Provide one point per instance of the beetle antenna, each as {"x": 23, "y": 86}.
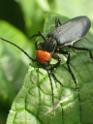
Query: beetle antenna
{"x": 34, "y": 35}
{"x": 42, "y": 36}
{"x": 18, "y": 48}
{"x": 39, "y": 34}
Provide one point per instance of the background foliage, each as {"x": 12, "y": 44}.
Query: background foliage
{"x": 20, "y": 19}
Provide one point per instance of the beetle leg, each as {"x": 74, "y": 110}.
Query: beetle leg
{"x": 69, "y": 67}
{"x": 51, "y": 75}
{"x": 55, "y": 78}
{"x": 55, "y": 56}
{"x": 53, "y": 66}
{"x": 57, "y": 22}
{"x": 83, "y": 49}
{"x": 70, "y": 70}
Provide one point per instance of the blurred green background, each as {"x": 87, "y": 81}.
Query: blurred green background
{"x": 20, "y": 19}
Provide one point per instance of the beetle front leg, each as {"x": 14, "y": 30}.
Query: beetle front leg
{"x": 55, "y": 56}
{"x": 51, "y": 68}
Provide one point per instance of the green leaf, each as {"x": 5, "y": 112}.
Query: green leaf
{"x": 33, "y": 104}
{"x": 72, "y": 8}
{"x": 34, "y": 101}
{"x": 12, "y": 64}
{"x": 33, "y": 14}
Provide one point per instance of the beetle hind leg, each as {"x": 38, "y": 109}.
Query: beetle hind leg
{"x": 70, "y": 70}
{"x": 83, "y": 49}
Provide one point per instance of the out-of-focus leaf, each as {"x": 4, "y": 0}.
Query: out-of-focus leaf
{"x": 33, "y": 14}
{"x": 33, "y": 104}
{"x": 12, "y": 61}
{"x": 72, "y": 8}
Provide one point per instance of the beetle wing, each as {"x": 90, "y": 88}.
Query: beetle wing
{"x": 73, "y": 30}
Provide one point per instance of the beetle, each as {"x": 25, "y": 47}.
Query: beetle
{"x": 63, "y": 36}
